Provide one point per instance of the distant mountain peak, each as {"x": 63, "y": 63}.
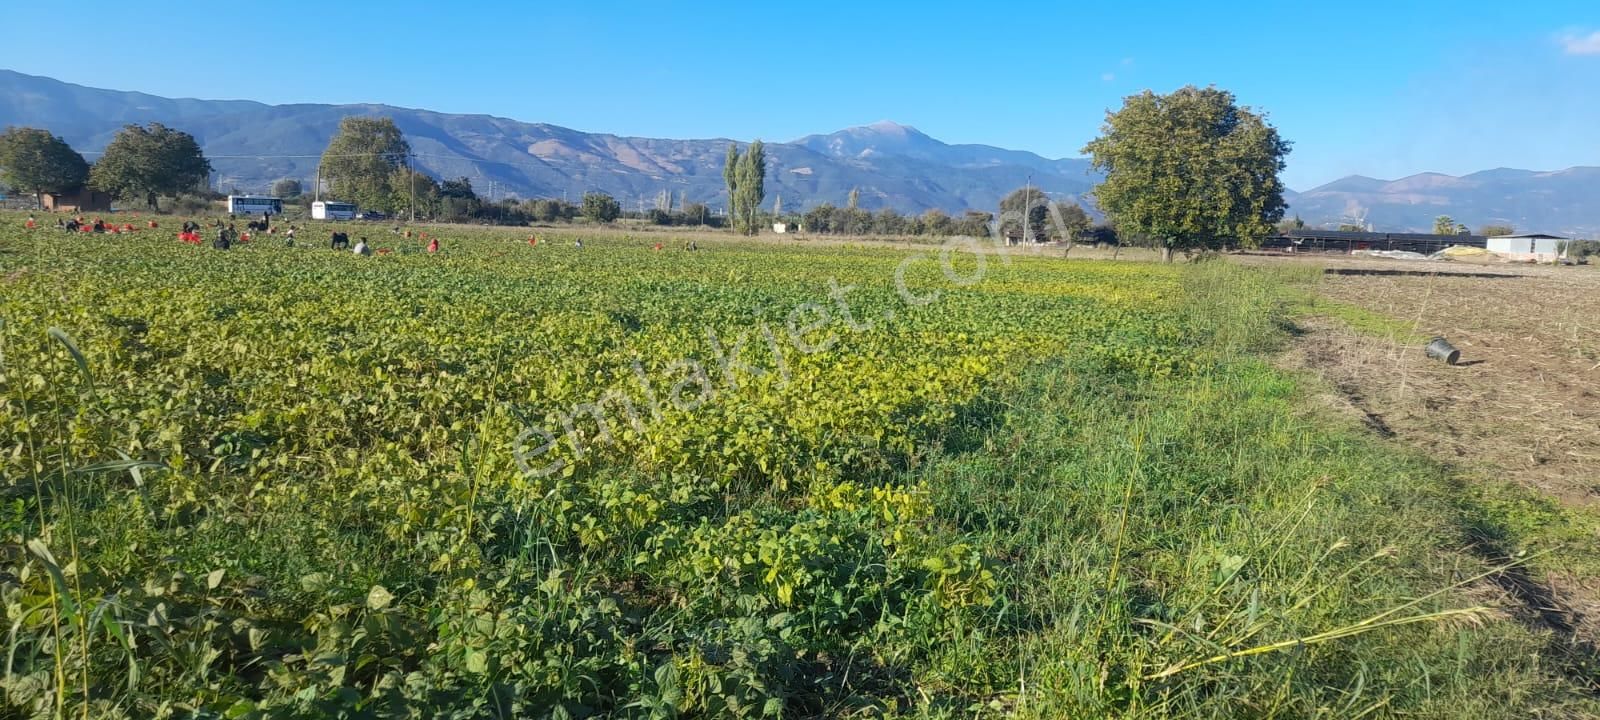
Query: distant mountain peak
{"x": 892, "y": 127}
{"x": 252, "y": 145}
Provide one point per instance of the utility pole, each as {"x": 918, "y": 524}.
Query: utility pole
{"x": 1027, "y": 205}
{"x": 411, "y": 178}
{"x": 318, "y": 191}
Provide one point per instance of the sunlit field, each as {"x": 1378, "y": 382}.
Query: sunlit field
{"x": 627, "y": 478}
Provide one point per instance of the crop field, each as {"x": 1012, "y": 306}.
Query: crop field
{"x": 747, "y": 480}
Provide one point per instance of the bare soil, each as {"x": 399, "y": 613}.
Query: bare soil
{"x": 1522, "y": 406}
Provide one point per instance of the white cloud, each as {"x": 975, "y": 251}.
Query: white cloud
{"x": 1580, "y": 44}
{"x": 1108, "y": 77}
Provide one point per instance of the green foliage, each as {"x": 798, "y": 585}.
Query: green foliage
{"x": 600, "y": 208}
{"x": 1192, "y": 170}
{"x": 1040, "y": 494}
{"x": 33, "y": 160}
{"x": 745, "y": 175}
{"x": 363, "y": 162}
{"x": 408, "y": 187}
{"x": 1496, "y": 230}
{"x": 459, "y": 188}
{"x": 1068, "y": 221}
{"x": 1444, "y": 225}
{"x": 144, "y": 163}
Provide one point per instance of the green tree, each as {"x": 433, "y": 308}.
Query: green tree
{"x": 600, "y": 207}
{"x": 1069, "y": 222}
{"x": 746, "y": 176}
{"x": 34, "y": 160}
{"x": 459, "y": 188}
{"x": 287, "y": 188}
{"x": 820, "y": 219}
{"x": 422, "y": 190}
{"x": 854, "y": 201}
{"x": 1024, "y": 200}
{"x": 362, "y": 159}
{"x": 1444, "y": 225}
{"x": 937, "y": 223}
{"x": 1496, "y": 230}
{"x": 730, "y": 170}
{"x": 974, "y": 223}
{"x": 1190, "y": 170}
{"x": 143, "y": 163}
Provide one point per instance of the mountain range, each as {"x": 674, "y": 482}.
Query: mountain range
{"x": 253, "y": 144}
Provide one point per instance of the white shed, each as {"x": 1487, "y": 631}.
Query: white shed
{"x": 1527, "y": 246}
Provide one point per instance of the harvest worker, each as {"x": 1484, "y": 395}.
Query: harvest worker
{"x": 31, "y": 223}
{"x": 361, "y": 248}
{"x": 433, "y": 245}
{"x": 223, "y": 241}
{"x": 340, "y": 241}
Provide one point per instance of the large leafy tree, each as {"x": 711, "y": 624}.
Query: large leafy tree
{"x": 363, "y": 163}
{"x": 33, "y": 160}
{"x": 1025, "y": 201}
{"x": 459, "y": 188}
{"x": 746, "y": 176}
{"x": 421, "y": 190}
{"x": 1190, "y": 170}
{"x": 600, "y": 207}
{"x": 1069, "y": 222}
{"x": 146, "y": 162}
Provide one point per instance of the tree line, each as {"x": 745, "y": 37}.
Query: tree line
{"x": 1189, "y": 170}
{"x": 141, "y": 164}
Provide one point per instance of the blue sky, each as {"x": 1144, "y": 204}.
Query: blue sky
{"x": 1376, "y": 88}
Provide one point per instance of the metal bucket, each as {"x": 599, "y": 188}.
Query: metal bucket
{"x": 1441, "y": 349}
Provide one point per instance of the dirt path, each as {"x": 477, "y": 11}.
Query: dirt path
{"x": 1522, "y": 407}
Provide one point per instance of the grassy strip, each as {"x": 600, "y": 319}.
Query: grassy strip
{"x": 1207, "y": 546}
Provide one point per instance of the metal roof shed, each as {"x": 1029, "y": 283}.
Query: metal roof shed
{"x": 1527, "y": 246}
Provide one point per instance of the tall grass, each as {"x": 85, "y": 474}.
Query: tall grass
{"x": 1268, "y": 560}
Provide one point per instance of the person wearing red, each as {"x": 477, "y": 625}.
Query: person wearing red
{"x": 433, "y": 245}
{"x": 31, "y": 223}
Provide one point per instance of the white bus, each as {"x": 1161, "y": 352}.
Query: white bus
{"x": 254, "y": 205}
{"x": 333, "y": 210}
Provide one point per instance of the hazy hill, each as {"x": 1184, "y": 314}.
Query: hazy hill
{"x": 252, "y": 144}
{"x": 1562, "y": 202}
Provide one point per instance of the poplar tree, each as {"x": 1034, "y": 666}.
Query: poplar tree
{"x": 745, "y": 175}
